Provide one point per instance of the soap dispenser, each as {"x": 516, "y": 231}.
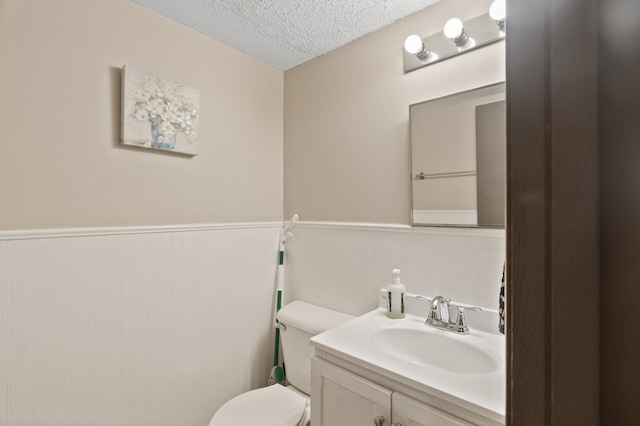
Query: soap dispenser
{"x": 395, "y": 296}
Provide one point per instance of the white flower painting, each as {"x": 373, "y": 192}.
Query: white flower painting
{"x": 158, "y": 113}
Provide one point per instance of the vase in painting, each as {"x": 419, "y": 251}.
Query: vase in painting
{"x": 161, "y": 139}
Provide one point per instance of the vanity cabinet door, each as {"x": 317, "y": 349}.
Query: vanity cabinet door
{"x": 340, "y": 398}
{"x": 409, "y": 412}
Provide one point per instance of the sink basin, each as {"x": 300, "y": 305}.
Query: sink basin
{"x": 433, "y": 348}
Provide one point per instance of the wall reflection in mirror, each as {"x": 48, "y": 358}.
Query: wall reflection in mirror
{"x": 458, "y": 148}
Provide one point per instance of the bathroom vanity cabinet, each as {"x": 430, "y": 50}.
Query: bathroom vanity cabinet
{"x": 341, "y": 398}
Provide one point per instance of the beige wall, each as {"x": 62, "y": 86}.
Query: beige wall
{"x": 61, "y": 163}
{"x": 346, "y": 133}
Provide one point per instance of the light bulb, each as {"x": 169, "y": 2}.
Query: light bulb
{"x": 453, "y": 29}
{"x": 498, "y": 10}
{"x": 413, "y": 44}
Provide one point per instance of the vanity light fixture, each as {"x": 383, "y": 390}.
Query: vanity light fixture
{"x": 454, "y": 30}
{"x": 456, "y": 38}
{"x": 498, "y": 12}
{"x": 414, "y": 45}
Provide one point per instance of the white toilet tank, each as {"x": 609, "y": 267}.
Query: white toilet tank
{"x": 303, "y": 321}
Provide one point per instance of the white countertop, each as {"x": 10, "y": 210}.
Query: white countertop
{"x": 483, "y": 393}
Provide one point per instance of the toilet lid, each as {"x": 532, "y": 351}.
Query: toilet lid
{"x": 271, "y": 406}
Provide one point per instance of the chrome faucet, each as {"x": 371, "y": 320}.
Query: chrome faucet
{"x": 438, "y": 316}
{"x": 439, "y": 311}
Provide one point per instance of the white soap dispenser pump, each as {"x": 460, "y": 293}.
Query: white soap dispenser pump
{"x": 395, "y": 296}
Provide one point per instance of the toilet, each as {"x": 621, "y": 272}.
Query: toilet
{"x": 277, "y": 405}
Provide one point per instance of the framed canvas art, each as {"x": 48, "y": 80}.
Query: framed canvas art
{"x": 158, "y": 113}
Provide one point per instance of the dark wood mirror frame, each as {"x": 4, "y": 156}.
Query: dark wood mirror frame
{"x": 573, "y": 218}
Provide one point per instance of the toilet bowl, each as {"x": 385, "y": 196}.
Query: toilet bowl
{"x": 278, "y": 405}
{"x": 271, "y": 406}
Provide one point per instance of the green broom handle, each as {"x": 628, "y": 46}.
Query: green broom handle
{"x": 278, "y": 305}
{"x": 275, "y": 350}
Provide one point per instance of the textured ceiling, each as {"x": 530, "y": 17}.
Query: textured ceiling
{"x": 285, "y": 33}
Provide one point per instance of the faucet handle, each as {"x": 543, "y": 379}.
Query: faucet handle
{"x": 461, "y": 322}
{"x": 467, "y": 308}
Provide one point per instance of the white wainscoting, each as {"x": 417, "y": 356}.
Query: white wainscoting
{"x": 342, "y": 266}
{"x": 161, "y": 326}
{"x": 134, "y": 326}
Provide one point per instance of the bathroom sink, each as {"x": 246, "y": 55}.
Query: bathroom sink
{"x": 466, "y": 370}
{"x": 436, "y": 349}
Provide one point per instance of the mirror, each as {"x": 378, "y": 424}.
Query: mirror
{"x": 458, "y": 152}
